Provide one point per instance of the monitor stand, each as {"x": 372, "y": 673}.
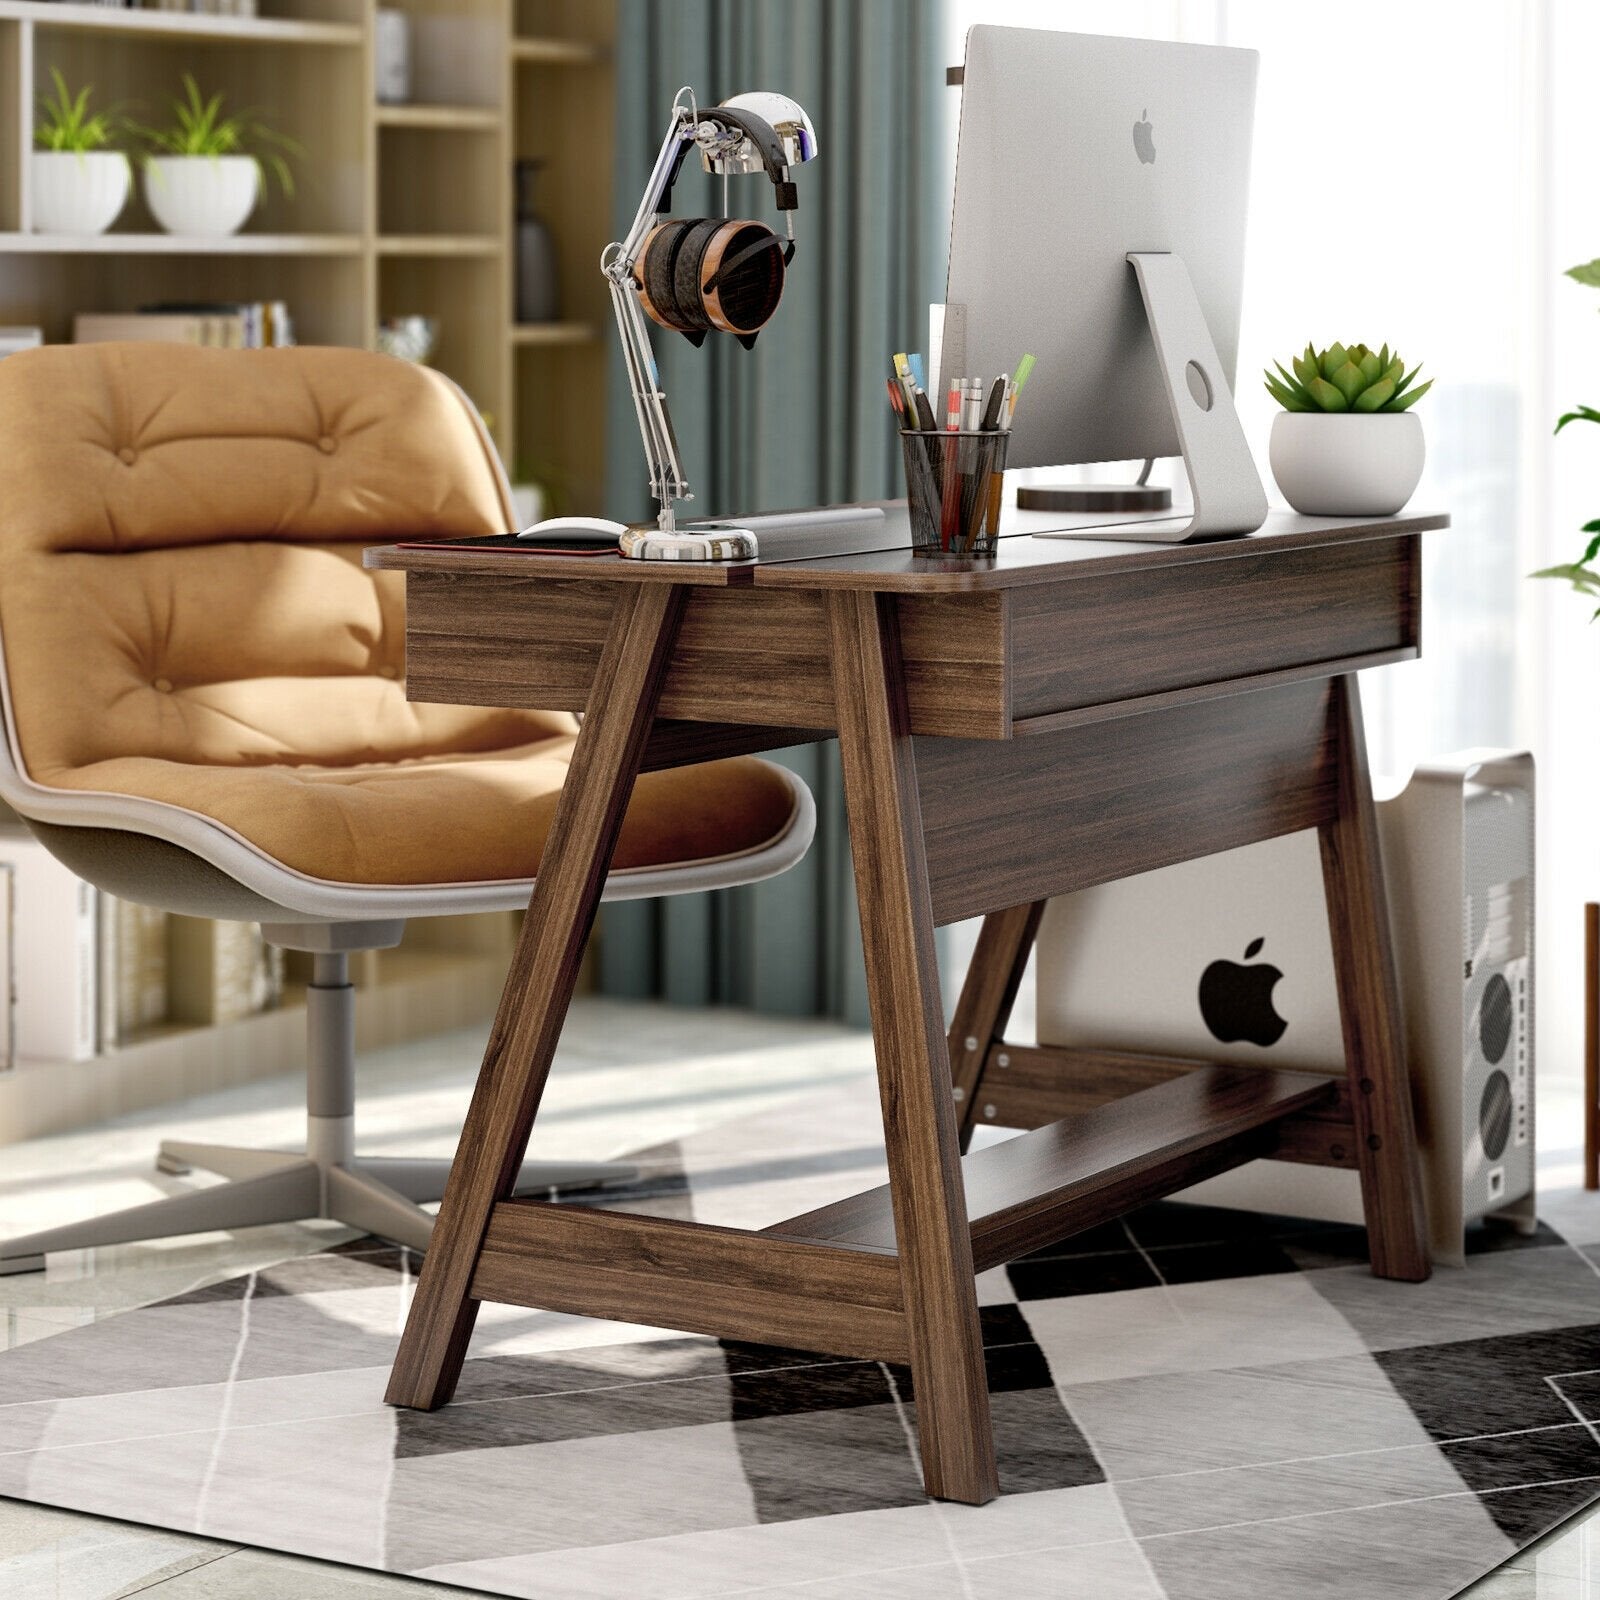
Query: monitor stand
{"x": 1228, "y": 497}
{"x": 1098, "y": 499}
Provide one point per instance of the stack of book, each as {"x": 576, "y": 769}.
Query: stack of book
{"x": 229, "y": 324}
{"x": 209, "y": 8}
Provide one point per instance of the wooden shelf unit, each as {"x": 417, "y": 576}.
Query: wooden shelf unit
{"x": 400, "y": 209}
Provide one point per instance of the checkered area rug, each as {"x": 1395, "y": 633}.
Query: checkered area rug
{"x": 1192, "y": 1403}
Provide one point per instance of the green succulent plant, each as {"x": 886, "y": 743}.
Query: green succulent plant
{"x": 67, "y": 124}
{"x": 1346, "y": 378}
{"x": 198, "y": 128}
{"x": 1582, "y": 574}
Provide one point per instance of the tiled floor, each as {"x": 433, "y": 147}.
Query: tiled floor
{"x": 1176, "y": 1432}
{"x": 607, "y": 1096}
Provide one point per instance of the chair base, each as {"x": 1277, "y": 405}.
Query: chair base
{"x": 381, "y": 1195}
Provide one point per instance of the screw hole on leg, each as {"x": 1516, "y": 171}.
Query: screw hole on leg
{"x": 1374, "y": 1142}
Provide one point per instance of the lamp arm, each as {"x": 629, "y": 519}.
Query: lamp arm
{"x": 644, "y": 379}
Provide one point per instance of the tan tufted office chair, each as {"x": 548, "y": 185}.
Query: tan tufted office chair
{"x": 205, "y": 710}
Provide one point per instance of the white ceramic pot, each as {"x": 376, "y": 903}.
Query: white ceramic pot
{"x": 1346, "y": 464}
{"x": 210, "y": 195}
{"x": 78, "y": 191}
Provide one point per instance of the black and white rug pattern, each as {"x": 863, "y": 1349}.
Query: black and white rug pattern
{"x": 1193, "y": 1404}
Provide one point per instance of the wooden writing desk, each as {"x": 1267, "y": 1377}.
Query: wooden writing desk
{"x": 1068, "y": 714}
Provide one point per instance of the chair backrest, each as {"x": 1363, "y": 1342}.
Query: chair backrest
{"x": 180, "y": 551}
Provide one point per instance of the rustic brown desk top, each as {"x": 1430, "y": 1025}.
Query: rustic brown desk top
{"x": 1022, "y": 560}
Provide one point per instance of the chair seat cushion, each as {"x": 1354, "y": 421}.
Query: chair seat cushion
{"x": 453, "y": 818}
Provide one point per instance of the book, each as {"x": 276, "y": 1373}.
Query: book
{"x": 132, "y": 970}
{"x": 54, "y": 952}
{"x": 15, "y": 339}
{"x": 224, "y": 324}
{"x": 220, "y": 971}
{"x": 175, "y": 328}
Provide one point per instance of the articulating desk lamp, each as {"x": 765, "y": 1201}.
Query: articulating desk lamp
{"x": 695, "y": 276}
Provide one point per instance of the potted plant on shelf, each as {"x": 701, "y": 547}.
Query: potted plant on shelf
{"x": 204, "y": 172}
{"x": 1581, "y": 574}
{"x": 1345, "y": 443}
{"x": 79, "y": 185}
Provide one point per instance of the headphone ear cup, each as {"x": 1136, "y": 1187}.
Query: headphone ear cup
{"x": 702, "y": 274}
{"x": 653, "y": 271}
{"x": 743, "y": 282}
{"x": 688, "y": 304}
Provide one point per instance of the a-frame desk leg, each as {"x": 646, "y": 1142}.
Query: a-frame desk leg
{"x": 999, "y": 960}
{"x": 930, "y": 1213}
{"x": 538, "y": 990}
{"x": 1369, "y": 1005}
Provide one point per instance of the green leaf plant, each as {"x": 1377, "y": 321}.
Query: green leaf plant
{"x": 1346, "y": 378}
{"x": 1582, "y": 573}
{"x": 198, "y": 128}
{"x": 67, "y": 124}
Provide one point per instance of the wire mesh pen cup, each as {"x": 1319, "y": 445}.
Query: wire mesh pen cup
{"x": 953, "y": 487}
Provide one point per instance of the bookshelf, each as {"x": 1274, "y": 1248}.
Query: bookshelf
{"x": 400, "y": 210}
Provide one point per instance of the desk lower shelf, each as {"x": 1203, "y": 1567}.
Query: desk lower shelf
{"x": 829, "y": 1280}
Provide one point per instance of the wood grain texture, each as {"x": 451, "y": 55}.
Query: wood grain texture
{"x": 1591, "y": 1046}
{"x": 1074, "y": 1174}
{"x": 1369, "y": 1006}
{"x": 1005, "y": 941}
{"x": 704, "y": 1279}
{"x": 1026, "y": 1086}
{"x": 880, "y": 780}
{"x": 758, "y": 659}
{"x": 544, "y": 968}
{"x": 1167, "y": 699}
{"x": 1011, "y": 822}
{"x": 1021, "y": 562}
{"x": 682, "y": 744}
{"x": 1183, "y": 628}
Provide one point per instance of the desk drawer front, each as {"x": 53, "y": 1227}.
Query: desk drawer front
{"x": 1176, "y": 629}
{"x": 744, "y": 655}
{"x": 1130, "y": 794}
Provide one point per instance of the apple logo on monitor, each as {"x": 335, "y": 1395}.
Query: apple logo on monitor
{"x": 1144, "y": 138}
{"x": 1236, "y": 1000}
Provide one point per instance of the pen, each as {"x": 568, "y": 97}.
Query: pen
{"x": 997, "y": 397}
{"x": 1024, "y": 368}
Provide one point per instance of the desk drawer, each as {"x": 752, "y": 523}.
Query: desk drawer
{"x": 1092, "y": 648}
{"x": 751, "y": 656}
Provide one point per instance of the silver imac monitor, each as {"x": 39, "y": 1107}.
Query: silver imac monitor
{"x": 1074, "y": 151}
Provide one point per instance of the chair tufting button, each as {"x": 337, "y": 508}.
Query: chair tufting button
{"x": 164, "y": 685}
{"x": 327, "y": 444}
{"x": 127, "y": 456}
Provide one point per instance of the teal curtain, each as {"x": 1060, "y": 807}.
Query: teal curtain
{"x": 803, "y": 418}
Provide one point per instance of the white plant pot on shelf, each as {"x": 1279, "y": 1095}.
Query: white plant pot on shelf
{"x": 1346, "y": 464}
{"x": 207, "y": 195}
{"x": 78, "y": 191}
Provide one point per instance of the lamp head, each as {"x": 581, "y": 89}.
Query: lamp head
{"x": 786, "y": 118}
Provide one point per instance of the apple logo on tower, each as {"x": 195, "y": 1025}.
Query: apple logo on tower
{"x": 1144, "y": 138}
{"x": 1236, "y": 1001}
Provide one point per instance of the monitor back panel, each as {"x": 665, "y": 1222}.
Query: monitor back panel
{"x": 1075, "y": 149}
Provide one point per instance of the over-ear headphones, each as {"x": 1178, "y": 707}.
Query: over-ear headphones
{"x": 699, "y": 275}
